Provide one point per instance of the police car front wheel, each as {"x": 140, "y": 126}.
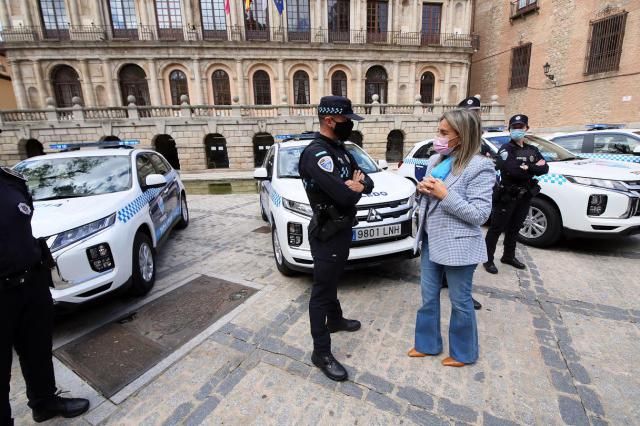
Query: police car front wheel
{"x": 143, "y": 275}
{"x": 281, "y": 262}
{"x": 184, "y": 213}
{"x": 543, "y": 225}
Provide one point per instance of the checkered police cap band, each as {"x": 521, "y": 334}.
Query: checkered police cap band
{"x": 332, "y": 110}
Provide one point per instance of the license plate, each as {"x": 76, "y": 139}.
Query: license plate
{"x": 376, "y": 232}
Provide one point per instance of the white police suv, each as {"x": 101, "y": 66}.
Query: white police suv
{"x": 611, "y": 143}
{"x": 104, "y": 212}
{"x": 579, "y": 196}
{"x": 385, "y": 228}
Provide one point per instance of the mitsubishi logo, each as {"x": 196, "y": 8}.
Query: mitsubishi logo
{"x": 373, "y": 216}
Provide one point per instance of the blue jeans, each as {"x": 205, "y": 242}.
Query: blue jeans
{"x": 463, "y": 330}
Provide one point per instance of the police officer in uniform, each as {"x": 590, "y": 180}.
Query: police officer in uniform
{"x": 518, "y": 163}
{"x": 334, "y": 184}
{"x": 26, "y": 308}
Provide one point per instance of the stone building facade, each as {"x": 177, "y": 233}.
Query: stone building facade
{"x": 590, "y": 46}
{"x": 7, "y": 97}
{"x": 103, "y": 51}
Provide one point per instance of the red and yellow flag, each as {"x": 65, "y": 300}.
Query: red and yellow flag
{"x": 247, "y": 5}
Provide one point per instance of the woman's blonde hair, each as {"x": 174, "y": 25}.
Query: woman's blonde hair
{"x": 467, "y": 124}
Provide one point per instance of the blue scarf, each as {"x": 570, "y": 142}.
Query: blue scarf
{"x": 442, "y": 170}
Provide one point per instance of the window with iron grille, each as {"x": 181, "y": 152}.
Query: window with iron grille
{"x": 377, "y": 13}
{"x": 133, "y": 81}
{"x": 431, "y": 17}
{"x": 66, "y": 85}
{"x": 521, "y": 8}
{"x": 520, "y": 58}
{"x": 178, "y": 85}
{"x": 221, "y": 88}
{"x": 168, "y": 14}
{"x": 298, "y": 20}
{"x": 261, "y": 88}
{"x": 339, "y": 84}
{"x": 338, "y": 20}
{"x": 54, "y": 18}
{"x": 123, "y": 15}
{"x": 214, "y": 18}
{"x": 605, "y": 43}
{"x": 427, "y": 83}
{"x": 301, "y": 88}
{"x": 256, "y": 20}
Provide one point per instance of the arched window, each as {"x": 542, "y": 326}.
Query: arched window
{"x": 221, "y": 88}
{"x": 178, "y": 86}
{"x": 395, "y": 146}
{"x": 339, "y": 84}
{"x": 376, "y": 84}
{"x": 427, "y": 82}
{"x": 261, "y": 88}
{"x": 34, "y": 148}
{"x": 54, "y": 19}
{"x": 66, "y": 85}
{"x": 124, "y": 23}
{"x": 133, "y": 81}
{"x": 261, "y": 144}
{"x": 214, "y": 19}
{"x": 301, "y": 94}
{"x": 166, "y": 145}
{"x": 216, "y": 151}
{"x": 169, "y": 17}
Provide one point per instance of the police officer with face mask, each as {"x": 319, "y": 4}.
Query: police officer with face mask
{"x": 26, "y": 308}
{"x": 518, "y": 163}
{"x": 334, "y": 184}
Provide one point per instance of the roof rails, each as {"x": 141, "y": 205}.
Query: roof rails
{"x": 66, "y": 147}
{"x": 603, "y": 126}
{"x": 296, "y": 137}
{"x": 494, "y": 129}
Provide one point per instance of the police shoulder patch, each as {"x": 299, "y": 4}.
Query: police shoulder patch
{"x": 326, "y": 163}
{"x": 504, "y": 154}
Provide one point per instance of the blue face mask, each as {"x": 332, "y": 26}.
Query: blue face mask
{"x": 517, "y": 134}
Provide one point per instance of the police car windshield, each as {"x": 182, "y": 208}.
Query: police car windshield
{"x": 289, "y": 157}
{"x": 72, "y": 177}
{"x": 549, "y": 150}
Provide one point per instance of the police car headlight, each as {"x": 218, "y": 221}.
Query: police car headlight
{"x": 598, "y": 183}
{"x": 296, "y": 207}
{"x": 71, "y": 236}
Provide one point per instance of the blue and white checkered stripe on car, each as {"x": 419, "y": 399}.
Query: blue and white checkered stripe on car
{"x": 275, "y": 197}
{"x": 420, "y": 161}
{"x": 616, "y": 157}
{"x": 552, "y": 178}
{"x": 131, "y": 209}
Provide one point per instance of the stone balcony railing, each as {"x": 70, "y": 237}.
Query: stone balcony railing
{"x": 78, "y": 113}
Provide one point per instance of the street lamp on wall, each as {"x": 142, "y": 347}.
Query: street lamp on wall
{"x": 547, "y": 68}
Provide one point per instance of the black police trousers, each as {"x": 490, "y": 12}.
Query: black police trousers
{"x": 329, "y": 259}
{"x": 26, "y": 324}
{"x": 508, "y": 217}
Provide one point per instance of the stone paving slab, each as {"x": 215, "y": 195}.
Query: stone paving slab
{"x": 557, "y": 346}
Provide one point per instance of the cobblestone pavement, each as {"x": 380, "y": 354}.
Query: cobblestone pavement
{"x": 560, "y": 342}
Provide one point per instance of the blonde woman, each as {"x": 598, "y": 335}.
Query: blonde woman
{"x": 454, "y": 201}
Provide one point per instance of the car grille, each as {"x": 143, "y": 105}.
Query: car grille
{"x": 393, "y": 209}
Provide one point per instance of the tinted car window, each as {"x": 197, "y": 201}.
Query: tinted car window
{"x": 424, "y": 151}
{"x": 160, "y": 166}
{"x": 572, "y": 143}
{"x": 144, "y": 167}
{"x": 614, "y": 144}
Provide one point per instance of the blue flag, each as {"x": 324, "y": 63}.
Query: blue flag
{"x": 279, "y": 5}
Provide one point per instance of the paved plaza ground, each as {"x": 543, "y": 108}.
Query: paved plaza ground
{"x": 559, "y": 342}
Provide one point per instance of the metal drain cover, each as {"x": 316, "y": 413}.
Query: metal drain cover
{"x": 116, "y": 354}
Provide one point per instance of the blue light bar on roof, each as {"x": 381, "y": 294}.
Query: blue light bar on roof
{"x": 283, "y": 137}
{"x": 603, "y": 126}
{"x": 78, "y": 145}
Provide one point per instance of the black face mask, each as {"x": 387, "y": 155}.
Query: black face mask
{"x": 343, "y": 130}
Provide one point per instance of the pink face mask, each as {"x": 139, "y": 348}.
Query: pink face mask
{"x": 441, "y": 145}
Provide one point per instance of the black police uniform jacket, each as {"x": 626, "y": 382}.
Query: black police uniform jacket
{"x": 324, "y": 167}
{"x": 511, "y": 156}
{"x": 19, "y": 250}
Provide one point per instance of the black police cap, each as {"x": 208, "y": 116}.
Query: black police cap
{"x": 337, "y": 105}
{"x": 470, "y": 103}
{"x": 519, "y": 119}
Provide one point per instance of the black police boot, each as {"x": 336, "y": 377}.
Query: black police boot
{"x": 59, "y": 406}
{"x": 513, "y": 262}
{"x": 329, "y": 366}
{"x": 490, "y": 267}
{"x": 344, "y": 325}
{"x": 476, "y": 305}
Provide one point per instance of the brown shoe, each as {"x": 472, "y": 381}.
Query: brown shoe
{"x": 450, "y": 362}
{"x": 413, "y": 353}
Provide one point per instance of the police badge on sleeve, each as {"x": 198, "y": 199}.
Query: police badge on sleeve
{"x": 326, "y": 163}
{"x": 24, "y": 209}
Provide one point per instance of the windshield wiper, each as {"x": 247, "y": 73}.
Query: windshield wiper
{"x": 571, "y": 158}
{"x": 61, "y": 197}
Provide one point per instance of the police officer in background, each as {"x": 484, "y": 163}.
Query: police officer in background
{"x": 518, "y": 163}
{"x": 334, "y": 184}
{"x": 26, "y": 308}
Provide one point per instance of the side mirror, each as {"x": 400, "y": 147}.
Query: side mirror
{"x": 383, "y": 164}
{"x": 260, "y": 174}
{"x": 636, "y": 150}
{"x": 154, "y": 181}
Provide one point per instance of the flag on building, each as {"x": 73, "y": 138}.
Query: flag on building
{"x": 279, "y": 5}
{"x": 227, "y": 7}
{"x": 247, "y": 5}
